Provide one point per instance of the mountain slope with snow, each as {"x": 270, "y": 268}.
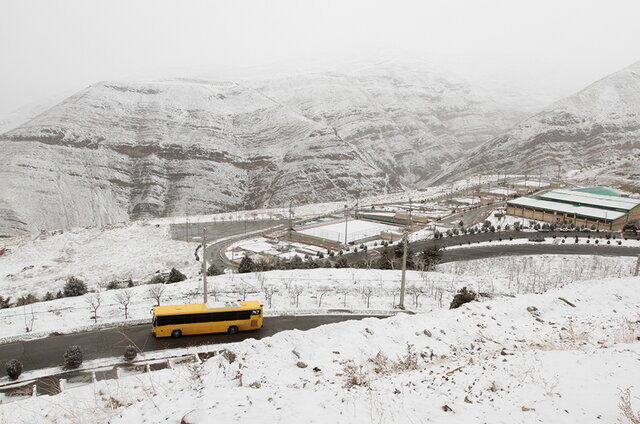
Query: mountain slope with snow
{"x": 120, "y": 151}
{"x": 594, "y": 133}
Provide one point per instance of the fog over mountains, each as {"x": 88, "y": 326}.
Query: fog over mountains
{"x": 118, "y": 150}
{"x": 593, "y": 134}
{"x": 125, "y": 150}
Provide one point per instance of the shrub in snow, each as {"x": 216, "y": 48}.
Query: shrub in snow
{"x": 341, "y": 263}
{"x": 48, "y": 296}
{"x": 114, "y": 284}
{"x": 5, "y": 302}
{"x": 213, "y": 270}
{"x": 14, "y": 368}
{"x": 73, "y": 357}
{"x": 130, "y": 353}
{"x": 176, "y": 276}
{"x": 463, "y": 296}
{"x": 74, "y": 287}
{"x": 27, "y": 300}
{"x": 246, "y": 265}
{"x": 355, "y": 375}
{"x": 156, "y": 279}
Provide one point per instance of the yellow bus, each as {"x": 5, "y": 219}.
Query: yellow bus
{"x": 202, "y": 318}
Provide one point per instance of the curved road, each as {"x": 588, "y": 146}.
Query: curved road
{"x": 48, "y": 352}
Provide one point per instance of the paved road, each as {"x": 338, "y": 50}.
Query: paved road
{"x": 48, "y": 352}
{"x": 219, "y": 229}
{"x": 465, "y": 254}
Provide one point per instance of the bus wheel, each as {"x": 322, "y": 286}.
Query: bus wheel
{"x": 176, "y": 333}
{"x": 232, "y": 330}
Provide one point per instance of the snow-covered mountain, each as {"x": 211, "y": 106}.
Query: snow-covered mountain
{"x": 119, "y": 151}
{"x": 592, "y": 135}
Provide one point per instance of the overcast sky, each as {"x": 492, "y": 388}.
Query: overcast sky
{"x": 49, "y": 47}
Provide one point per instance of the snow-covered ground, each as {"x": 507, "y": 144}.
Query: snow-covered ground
{"x": 40, "y": 263}
{"x": 356, "y": 229}
{"x": 532, "y": 358}
{"x": 319, "y": 290}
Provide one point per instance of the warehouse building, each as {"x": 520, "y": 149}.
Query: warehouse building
{"x": 594, "y": 206}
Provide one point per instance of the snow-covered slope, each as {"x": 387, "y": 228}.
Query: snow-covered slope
{"x": 532, "y": 358}
{"x": 594, "y": 133}
{"x": 117, "y": 151}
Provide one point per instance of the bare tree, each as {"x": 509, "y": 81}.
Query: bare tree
{"x": 261, "y": 279}
{"x": 344, "y": 291}
{"x": 322, "y": 291}
{"x": 394, "y": 292}
{"x": 94, "y": 302}
{"x": 156, "y": 291}
{"x": 416, "y": 291}
{"x": 213, "y": 290}
{"x": 123, "y": 297}
{"x": 28, "y": 320}
{"x": 269, "y": 290}
{"x": 367, "y": 292}
{"x": 368, "y": 259}
{"x": 296, "y": 291}
{"x": 244, "y": 288}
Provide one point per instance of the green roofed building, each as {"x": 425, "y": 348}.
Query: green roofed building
{"x": 602, "y": 207}
{"x": 600, "y": 190}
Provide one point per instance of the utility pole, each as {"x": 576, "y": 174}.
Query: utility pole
{"x": 405, "y": 241}
{"x": 404, "y": 270}
{"x": 346, "y": 220}
{"x": 290, "y": 215}
{"x": 186, "y": 214}
{"x": 204, "y": 264}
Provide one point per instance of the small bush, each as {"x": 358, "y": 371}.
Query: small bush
{"x": 74, "y": 287}
{"x": 48, "y": 296}
{"x": 355, "y": 375}
{"x": 14, "y": 369}
{"x": 73, "y": 357}
{"x": 176, "y": 276}
{"x": 246, "y": 265}
{"x": 157, "y": 279}
{"x": 463, "y": 296}
{"x": 213, "y": 270}
{"x": 27, "y": 300}
{"x": 130, "y": 353}
{"x": 114, "y": 284}
{"x": 5, "y": 302}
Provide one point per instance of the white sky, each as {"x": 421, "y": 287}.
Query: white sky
{"x": 48, "y": 47}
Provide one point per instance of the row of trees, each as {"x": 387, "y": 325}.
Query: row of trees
{"x": 73, "y": 287}
{"x": 72, "y": 359}
{"x": 389, "y": 257}
{"x": 76, "y": 287}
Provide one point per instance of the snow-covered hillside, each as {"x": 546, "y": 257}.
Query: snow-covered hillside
{"x": 117, "y": 151}
{"x": 594, "y": 134}
{"x": 532, "y": 358}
